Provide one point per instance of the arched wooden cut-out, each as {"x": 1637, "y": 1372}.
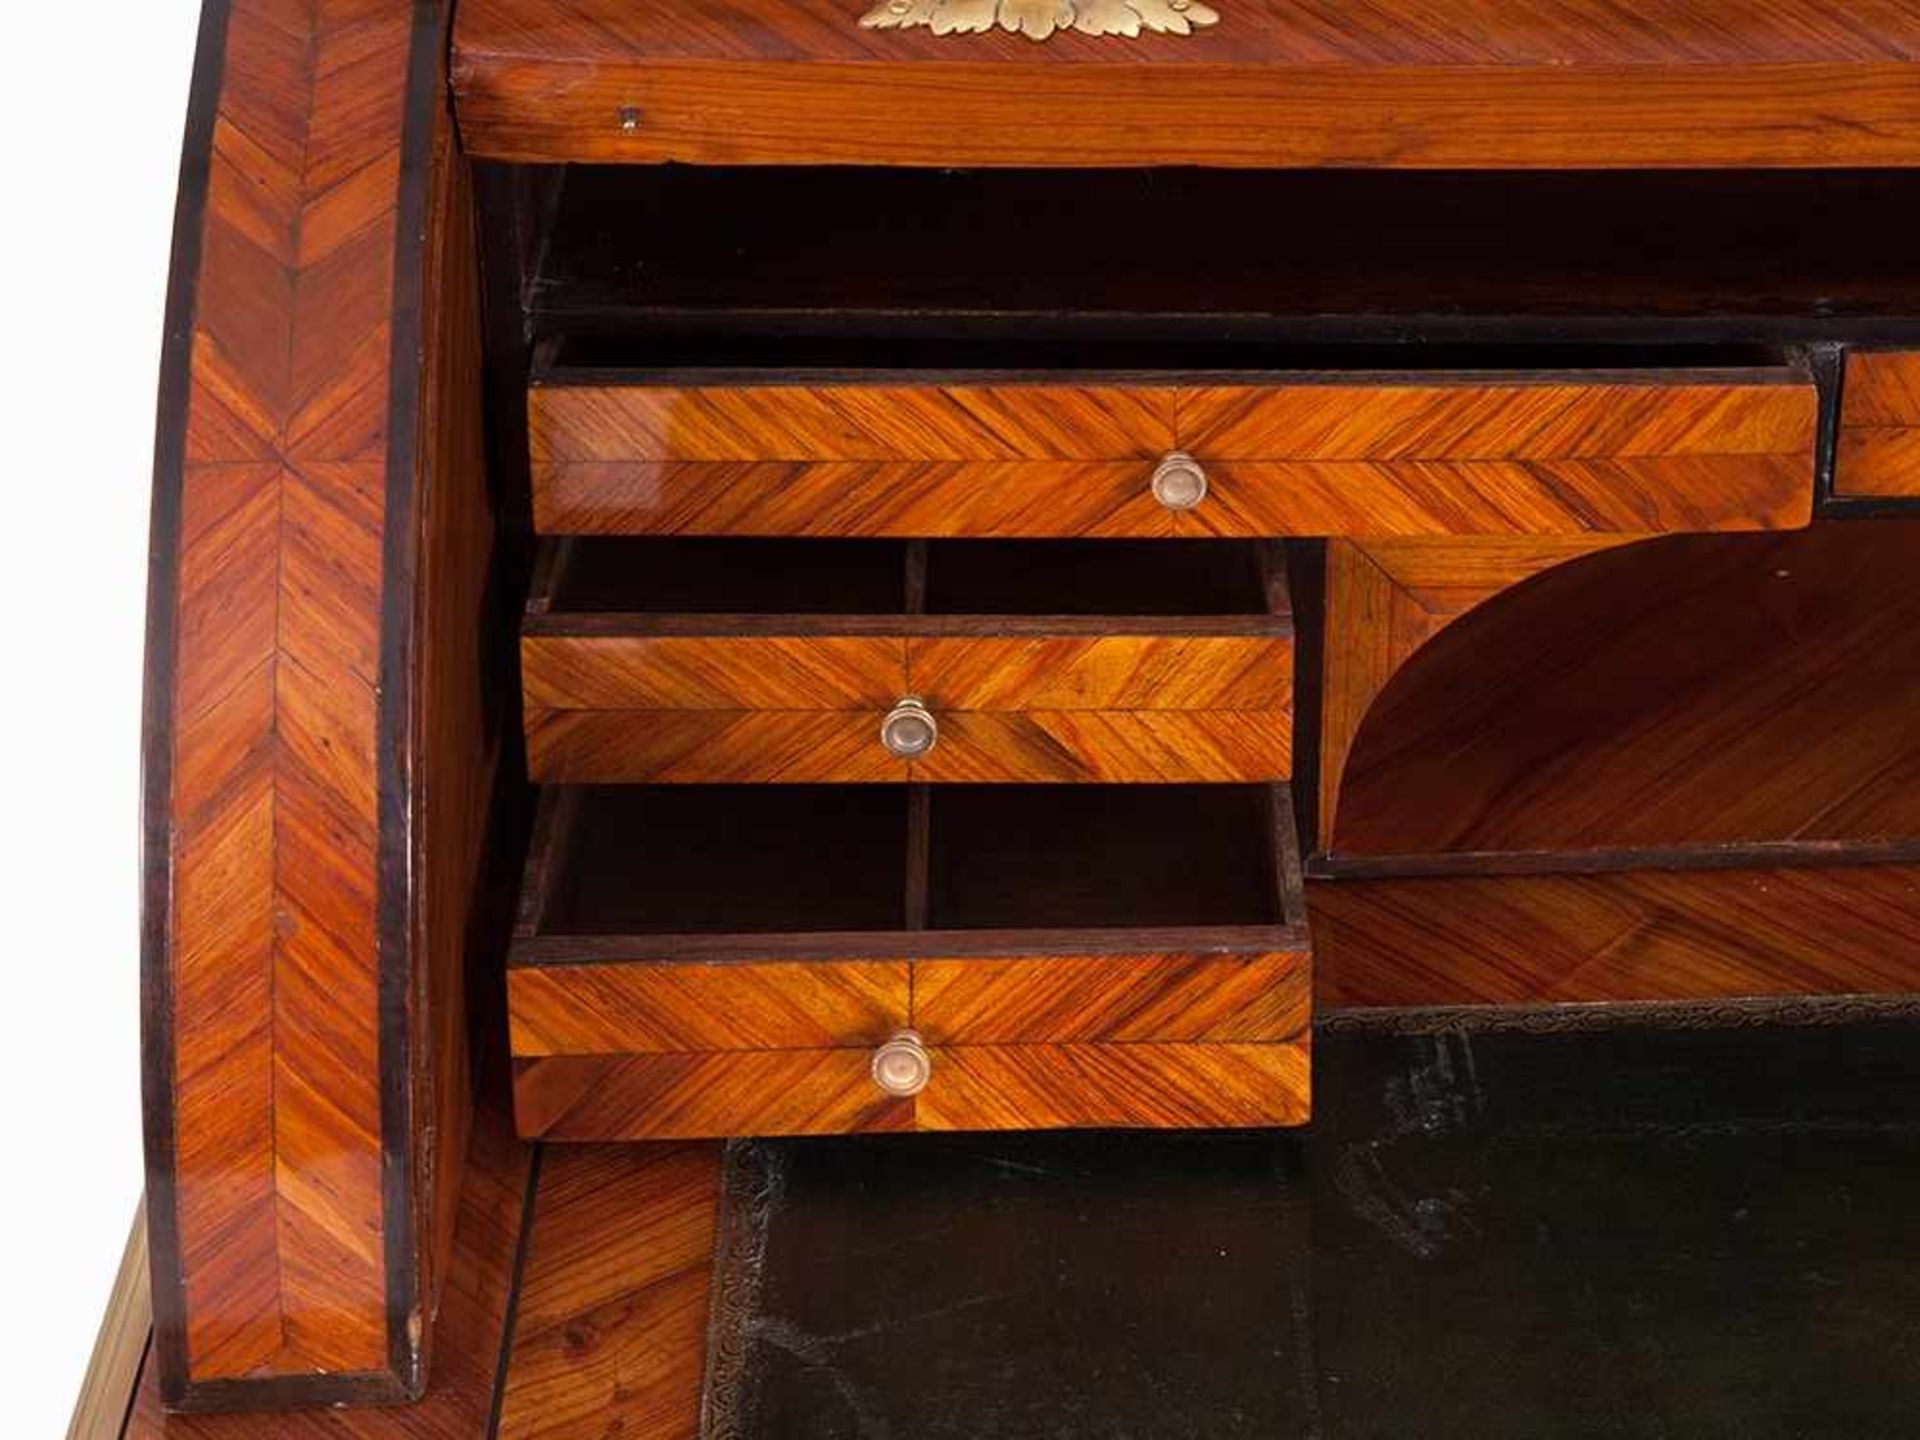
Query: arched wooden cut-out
{"x": 1691, "y": 691}
{"x": 1387, "y": 598}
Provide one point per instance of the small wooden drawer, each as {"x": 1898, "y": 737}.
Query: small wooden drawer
{"x": 1610, "y": 451}
{"x": 751, "y": 960}
{"x": 736, "y": 661}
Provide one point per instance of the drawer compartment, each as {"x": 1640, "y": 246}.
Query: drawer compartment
{"x": 737, "y": 960}
{"x": 919, "y": 454}
{"x": 755, "y": 661}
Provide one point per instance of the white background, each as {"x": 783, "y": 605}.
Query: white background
{"x": 92, "y": 104}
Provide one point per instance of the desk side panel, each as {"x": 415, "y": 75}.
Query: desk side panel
{"x": 285, "y": 1011}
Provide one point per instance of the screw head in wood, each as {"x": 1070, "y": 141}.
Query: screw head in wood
{"x": 1179, "y": 483}
{"x": 909, "y": 731}
{"x": 902, "y": 1066}
{"x": 630, "y": 119}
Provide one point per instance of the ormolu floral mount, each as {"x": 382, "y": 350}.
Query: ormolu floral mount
{"x": 1038, "y": 19}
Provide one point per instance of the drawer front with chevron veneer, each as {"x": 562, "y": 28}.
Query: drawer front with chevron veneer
{"x": 723, "y": 661}
{"x": 820, "y": 959}
{"x": 1617, "y": 451}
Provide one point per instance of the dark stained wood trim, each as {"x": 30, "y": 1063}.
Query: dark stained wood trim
{"x": 608, "y": 624}
{"x": 1092, "y": 943}
{"x": 404, "y": 1178}
{"x": 509, "y": 1332}
{"x": 1715, "y": 1014}
{"x": 1762, "y": 854}
{"x": 156, "y": 757}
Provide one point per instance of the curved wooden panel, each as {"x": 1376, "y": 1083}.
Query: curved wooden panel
{"x": 1711, "y": 690}
{"x": 298, "y": 953}
{"x": 1409, "y": 83}
{"x": 1387, "y": 599}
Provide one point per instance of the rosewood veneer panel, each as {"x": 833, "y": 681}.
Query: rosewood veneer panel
{"x": 476, "y": 1317}
{"x": 1654, "y": 935}
{"x": 611, "y": 1327}
{"x": 1703, "y": 691}
{"x": 1411, "y": 83}
{"x": 302, "y": 938}
{"x": 698, "y": 1096}
{"x": 1363, "y": 456}
{"x": 1113, "y": 998}
{"x": 1040, "y": 1087}
{"x": 1879, "y": 450}
{"x": 668, "y": 1008}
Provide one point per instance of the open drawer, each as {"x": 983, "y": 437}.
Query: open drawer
{"x": 736, "y": 661}
{"x": 1161, "y": 454}
{"x": 757, "y": 960}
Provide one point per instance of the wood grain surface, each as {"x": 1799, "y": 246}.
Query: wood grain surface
{"x": 666, "y": 1008}
{"x": 1704, "y": 691}
{"x": 1032, "y": 707}
{"x": 974, "y": 1087}
{"x": 702, "y": 1095}
{"x": 1879, "y": 446}
{"x": 473, "y": 1322}
{"x": 120, "y": 1349}
{"x": 1387, "y": 599}
{"x": 603, "y": 1333}
{"x": 1040, "y": 1087}
{"x": 1113, "y": 998}
{"x": 1141, "y": 747}
{"x": 290, "y": 1183}
{"x": 716, "y": 747}
{"x": 1672, "y": 935}
{"x": 1627, "y": 452}
{"x": 1410, "y": 83}
{"x": 713, "y": 672}
{"x": 611, "y": 1332}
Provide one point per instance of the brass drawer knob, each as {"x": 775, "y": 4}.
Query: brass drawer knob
{"x": 1179, "y": 483}
{"x": 909, "y": 731}
{"x": 902, "y": 1066}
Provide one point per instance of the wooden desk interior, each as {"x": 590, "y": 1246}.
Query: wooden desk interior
{"x": 1120, "y": 553}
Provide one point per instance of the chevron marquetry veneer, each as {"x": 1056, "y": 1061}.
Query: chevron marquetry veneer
{"x": 291, "y": 1099}
{"x": 1364, "y": 457}
{"x": 1879, "y": 450}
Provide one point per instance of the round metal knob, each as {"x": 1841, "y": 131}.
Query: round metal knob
{"x": 1179, "y": 483}
{"x": 909, "y": 731}
{"x": 902, "y": 1066}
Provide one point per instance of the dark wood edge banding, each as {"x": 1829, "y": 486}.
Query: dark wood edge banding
{"x": 1746, "y": 856}
{"x": 404, "y": 1175}
{"x": 156, "y": 750}
{"x": 510, "y": 1322}
{"x": 556, "y": 951}
{"x": 1715, "y": 1014}
{"x": 607, "y": 625}
{"x": 1792, "y": 371}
